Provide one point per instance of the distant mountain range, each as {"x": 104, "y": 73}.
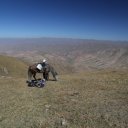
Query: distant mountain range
{"x": 69, "y": 55}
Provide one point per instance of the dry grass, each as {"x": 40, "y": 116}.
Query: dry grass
{"x": 88, "y": 100}
{"x": 13, "y": 66}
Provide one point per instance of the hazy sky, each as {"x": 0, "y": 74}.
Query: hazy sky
{"x": 89, "y": 19}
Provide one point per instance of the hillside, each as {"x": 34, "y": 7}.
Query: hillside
{"x": 10, "y": 66}
{"x": 91, "y": 92}
{"x": 69, "y": 55}
{"x": 88, "y": 100}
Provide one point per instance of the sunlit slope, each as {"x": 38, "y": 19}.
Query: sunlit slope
{"x": 10, "y": 66}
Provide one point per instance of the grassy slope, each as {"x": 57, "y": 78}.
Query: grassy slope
{"x": 14, "y": 67}
{"x": 89, "y": 100}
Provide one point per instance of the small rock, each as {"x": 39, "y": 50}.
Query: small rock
{"x": 64, "y": 122}
{"x": 47, "y": 106}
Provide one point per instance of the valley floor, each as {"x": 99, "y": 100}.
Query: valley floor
{"x": 88, "y": 100}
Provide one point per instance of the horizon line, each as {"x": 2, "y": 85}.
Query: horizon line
{"x": 72, "y": 38}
